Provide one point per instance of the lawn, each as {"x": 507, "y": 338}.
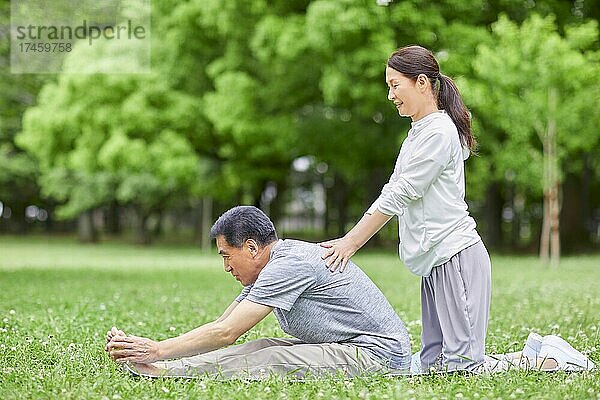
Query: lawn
{"x": 57, "y": 299}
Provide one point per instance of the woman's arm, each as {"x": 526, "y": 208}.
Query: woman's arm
{"x": 340, "y": 250}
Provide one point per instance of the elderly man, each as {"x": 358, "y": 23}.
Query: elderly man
{"x": 340, "y": 322}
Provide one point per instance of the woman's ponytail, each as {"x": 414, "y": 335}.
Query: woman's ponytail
{"x": 449, "y": 100}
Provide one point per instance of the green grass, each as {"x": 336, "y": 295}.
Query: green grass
{"x": 57, "y": 299}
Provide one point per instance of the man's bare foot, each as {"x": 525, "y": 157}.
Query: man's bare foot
{"x": 547, "y": 364}
{"x": 145, "y": 369}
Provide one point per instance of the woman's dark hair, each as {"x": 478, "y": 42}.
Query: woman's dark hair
{"x": 412, "y": 61}
{"x": 241, "y": 223}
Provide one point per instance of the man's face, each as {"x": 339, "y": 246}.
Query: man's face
{"x": 240, "y": 262}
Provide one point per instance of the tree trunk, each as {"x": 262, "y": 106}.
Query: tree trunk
{"x": 550, "y": 240}
{"x": 574, "y": 211}
{"x": 515, "y": 224}
{"x": 86, "y": 231}
{"x": 545, "y": 236}
{"x": 142, "y": 234}
{"x": 16, "y": 222}
{"x": 277, "y": 204}
{"x": 207, "y": 208}
{"x": 586, "y": 180}
{"x": 493, "y": 216}
{"x": 341, "y": 197}
{"x": 196, "y": 215}
{"x": 555, "y": 180}
{"x": 157, "y": 229}
{"x": 554, "y": 226}
{"x": 113, "y": 219}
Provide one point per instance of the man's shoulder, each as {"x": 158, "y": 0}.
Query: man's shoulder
{"x": 285, "y": 277}
{"x": 293, "y": 248}
{"x": 291, "y": 257}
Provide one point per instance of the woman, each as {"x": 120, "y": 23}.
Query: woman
{"x": 438, "y": 238}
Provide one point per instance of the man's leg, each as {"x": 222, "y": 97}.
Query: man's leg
{"x": 302, "y": 360}
{"x": 275, "y": 357}
{"x": 179, "y": 367}
{"x": 462, "y": 289}
{"x": 211, "y": 362}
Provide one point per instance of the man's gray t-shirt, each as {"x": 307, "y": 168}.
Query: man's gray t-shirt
{"x": 317, "y": 306}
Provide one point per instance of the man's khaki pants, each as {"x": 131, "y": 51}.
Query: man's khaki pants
{"x": 281, "y": 357}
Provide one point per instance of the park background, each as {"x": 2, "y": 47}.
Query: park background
{"x": 283, "y": 105}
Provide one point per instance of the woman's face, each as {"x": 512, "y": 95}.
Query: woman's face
{"x": 407, "y": 94}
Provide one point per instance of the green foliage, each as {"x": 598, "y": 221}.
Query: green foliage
{"x": 514, "y": 74}
{"x": 18, "y": 172}
{"x": 101, "y": 138}
{"x": 239, "y": 90}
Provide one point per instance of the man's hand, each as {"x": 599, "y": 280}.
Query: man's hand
{"x": 340, "y": 251}
{"x": 133, "y": 348}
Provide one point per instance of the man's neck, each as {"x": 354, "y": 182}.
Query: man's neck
{"x": 265, "y": 254}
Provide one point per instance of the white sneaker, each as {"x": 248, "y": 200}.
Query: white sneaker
{"x": 533, "y": 344}
{"x": 566, "y": 356}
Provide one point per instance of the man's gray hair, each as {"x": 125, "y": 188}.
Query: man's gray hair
{"x": 241, "y": 223}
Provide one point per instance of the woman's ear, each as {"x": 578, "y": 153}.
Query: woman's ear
{"x": 422, "y": 81}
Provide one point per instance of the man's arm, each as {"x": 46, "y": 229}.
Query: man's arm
{"x": 243, "y": 317}
{"x": 116, "y": 332}
{"x": 227, "y": 311}
{"x": 212, "y": 336}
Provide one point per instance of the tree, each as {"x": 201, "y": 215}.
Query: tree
{"x": 100, "y": 138}
{"x": 18, "y": 180}
{"x": 536, "y": 84}
{"x": 353, "y": 40}
{"x": 244, "y": 87}
{"x": 150, "y": 140}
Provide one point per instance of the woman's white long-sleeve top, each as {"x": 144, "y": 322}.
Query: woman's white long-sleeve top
{"x": 427, "y": 193}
